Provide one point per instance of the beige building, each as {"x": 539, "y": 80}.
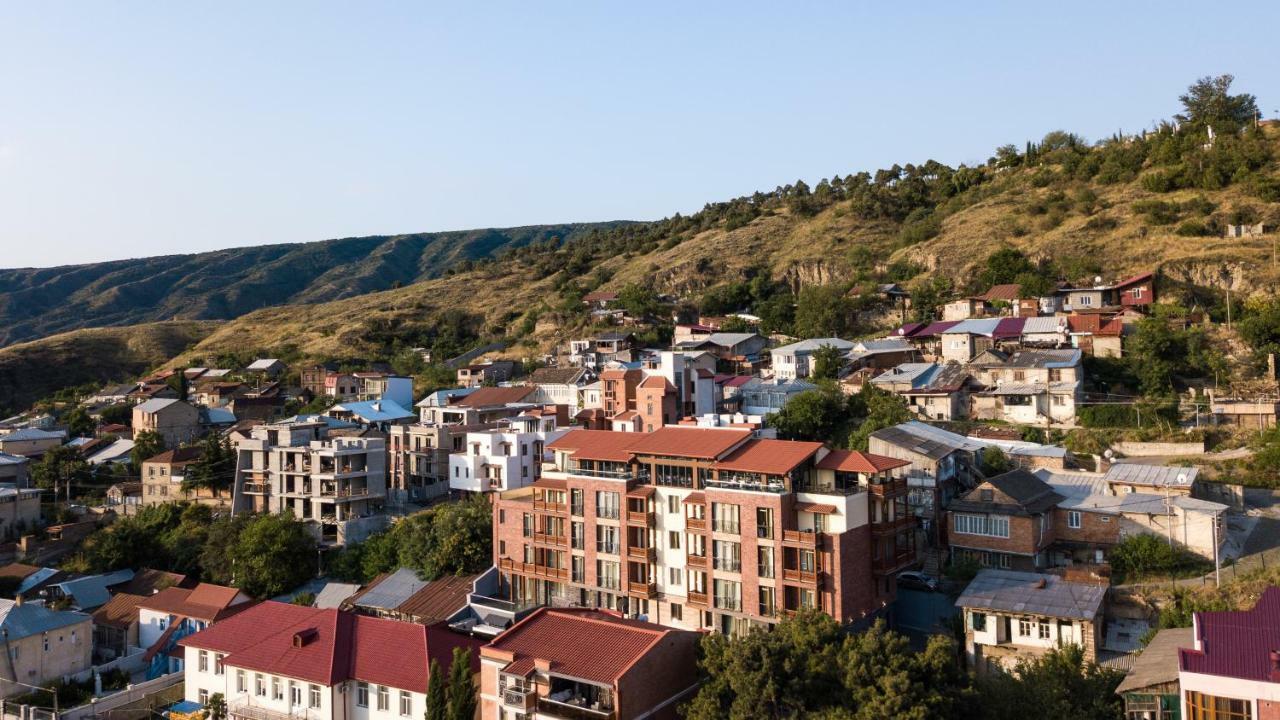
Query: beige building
{"x": 44, "y": 645}
{"x": 174, "y": 420}
{"x": 163, "y": 475}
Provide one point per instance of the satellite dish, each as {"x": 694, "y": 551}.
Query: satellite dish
{"x": 1097, "y": 279}
{"x": 1108, "y": 454}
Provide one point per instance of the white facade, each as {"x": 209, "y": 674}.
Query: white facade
{"x": 795, "y": 361}
{"x": 504, "y": 459}
{"x": 253, "y": 695}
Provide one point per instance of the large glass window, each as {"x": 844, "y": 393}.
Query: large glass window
{"x": 989, "y": 525}
{"x": 607, "y": 504}
{"x": 1201, "y": 706}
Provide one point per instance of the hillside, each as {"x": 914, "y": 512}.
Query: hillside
{"x": 1078, "y": 227}
{"x": 30, "y": 371}
{"x": 38, "y": 302}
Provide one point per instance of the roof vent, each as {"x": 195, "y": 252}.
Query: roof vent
{"x": 302, "y": 638}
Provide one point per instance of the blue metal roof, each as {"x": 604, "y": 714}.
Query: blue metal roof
{"x": 91, "y": 592}
{"x": 25, "y": 620}
{"x": 375, "y": 410}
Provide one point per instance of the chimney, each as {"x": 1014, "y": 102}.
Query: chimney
{"x": 302, "y": 638}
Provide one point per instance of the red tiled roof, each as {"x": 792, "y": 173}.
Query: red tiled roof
{"x": 120, "y": 611}
{"x": 596, "y": 444}
{"x": 1008, "y": 291}
{"x": 1236, "y": 644}
{"x": 770, "y": 457}
{"x": 678, "y": 441}
{"x": 439, "y": 600}
{"x": 332, "y": 646}
{"x": 1134, "y": 280}
{"x": 494, "y": 396}
{"x": 204, "y": 602}
{"x": 17, "y": 570}
{"x": 657, "y": 381}
{"x": 599, "y": 295}
{"x": 625, "y": 415}
{"x": 179, "y": 455}
{"x": 561, "y": 636}
{"x": 858, "y": 461}
{"x": 818, "y": 508}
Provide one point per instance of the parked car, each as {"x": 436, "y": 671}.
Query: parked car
{"x": 917, "y": 581}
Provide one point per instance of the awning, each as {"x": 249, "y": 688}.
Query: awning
{"x": 818, "y": 508}
{"x": 552, "y": 484}
{"x": 643, "y": 491}
{"x": 695, "y": 498}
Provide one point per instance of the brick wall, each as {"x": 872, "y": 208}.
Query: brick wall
{"x": 1095, "y": 528}
{"x": 1024, "y": 537}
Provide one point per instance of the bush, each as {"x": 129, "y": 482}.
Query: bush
{"x": 1192, "y": 228}
{"x": 1146, "y": 554}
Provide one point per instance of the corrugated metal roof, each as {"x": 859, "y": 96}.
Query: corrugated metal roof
{"x": 1153, "y": 475}
{"x": 1158, "y": 661}
{"x": 1043, "y": 325}
{"x": 1021, "y": 592}
{"x": 24, "y": 620}
{"x": 1236, "y": 644}
{"x": 392, "y": 590}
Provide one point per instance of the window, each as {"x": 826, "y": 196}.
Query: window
{"x": 277, "y": 690}
{"x": 295, "y": 693}
{"x": 1105, "y": 519}
{"x": 406, "y": 703}
{"x": 1044, "y": 629}
{"x": 218, "y": 669}
{"x": 989, "y": 525}
{"x": 727, "y": 555}
{"x": 607, "y": 574}
{"x": 607, "y": 539}
{"x": 204, "y": 696}
{"x": 578, "y": 566}
{"x": 764, "y": 522}
{"x": 362, "y": 694}
{"x": 677, "y": 611}
{"x": 675, "y": 577}
{"x": 1024, "y": 627}
{"x": 764, "y": 561}
{"x": 1073, "y": 519}
{"x": 384, "y": 697}
{"x": 673, "y": 504}
{"x": 202, "y": 663}
{"x": 259, "y": 685}
{"x": 673, "y": 540}
{"x": 728, "y": 595}
{"x": 607, "y": 504}
{"x": 978, "y": 622}
{"x": 241, "y": 685}
{"x": 724, "y": 518}
{"x": 1208, "y": 707}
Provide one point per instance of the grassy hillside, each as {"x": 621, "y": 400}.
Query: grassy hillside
{"x": 1085, "y": 227}
{"x": 228, "y": 283}
{"x": 30, "y": 371}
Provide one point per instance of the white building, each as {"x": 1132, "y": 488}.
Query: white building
{"x": 276, "y": 661}
{"x": 795, "y": 361}
{"x": 507, "y": 458}
{"x": 173, "y": 613}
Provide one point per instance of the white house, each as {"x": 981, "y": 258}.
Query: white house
{"x": 168, "y": 616}
{"x": 795, "y": 361}
{"x": 276, "y": 660}
{"x": 506, "y": 458}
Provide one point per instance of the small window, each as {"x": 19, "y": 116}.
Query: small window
{"x": 203, "y": 661}
{"x": 406, "y": 703}
{"x": 313, "y": 696}
{"x": 218, "y": 669}
{"x": 1044, "y": 629}
{"x": 204, "y": 696}
{"x": 978, "y": 621}
{"x": 673, "y": 540}
{"x": 1073, "y": 519}
{"x": 362, "y": 694}
{"x": 259, "y": 685}
{"x": 677, "y": 611}
{"x": 384, "y": 697}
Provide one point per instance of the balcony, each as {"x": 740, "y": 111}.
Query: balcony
{"x": 726, "y": 527}
{"x": 894, "y": 488}
{"x": 642, "y": 588}
{"x": 803, "y": 538}
{"x": 532, "y": 570}
{"x": 888, "y": 565}
{"x": 521, "y": 700}
{"x": 257, "y": 488}
{"x": 641, "y": 475}
{"x": 567, "y": 711}
{"x": 729, "y": 602}
{"x": 698, "y": 561}
{"x": 556, "y": 508}
{"x": 245, "y": 711}
{"x": 639, "y": 552}
{"x": 639, "y": 517}
{"x": 800, "y": 576}
{"x": 695, "y": 523}
{"x": 903, "y": 522}
{"x": 549, "y": 539}
{"x": 767, "y": 487}
{"x": 727, "y": 564}
{"x": 609, "y": 548}
{"x": 697, "y": 598}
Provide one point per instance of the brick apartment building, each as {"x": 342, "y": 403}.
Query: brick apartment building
{"x": 705, "y": 528}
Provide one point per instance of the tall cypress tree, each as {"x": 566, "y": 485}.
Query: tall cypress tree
{"x": 437, "y": 701}
{"x": 462, "y": 689}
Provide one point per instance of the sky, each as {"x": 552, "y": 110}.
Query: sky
{"x": 130, "y": 129}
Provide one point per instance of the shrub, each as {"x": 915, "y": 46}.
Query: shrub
{"x": 1192, "y": 228}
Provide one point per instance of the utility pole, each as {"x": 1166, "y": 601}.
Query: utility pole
{"x": 1217, "y": 560}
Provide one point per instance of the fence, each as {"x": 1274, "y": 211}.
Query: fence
{"x": 134, "y": 662}
{"x": 166, "y": 688}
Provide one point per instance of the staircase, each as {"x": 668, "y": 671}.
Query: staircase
{"x": 932, "y": 562}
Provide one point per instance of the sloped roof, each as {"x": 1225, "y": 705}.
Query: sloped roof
{"x": 1029, "y": 493}
{"x": 1152, "y": 475}
{"x": 18, "y": 570}
{"x": 155, "y": 404}
{"x": 1236, "y": 644}
{"x": 487, "y": 396}
{"x": 374, "y": 410}
{"x": 332, "y": 646}
{"x": 1033, "y": 594}
{"x": 20, "y": 621}
{"x": 560, "y": 636}
{"x": 1142, "y": 277}
{"x": 690, "y": 442}
{"x": 1041, "y": 325}
{"x": 389, "y": 590}
{"x": 33, "y": 434}
{"x": 120, "y": 612}
{"x": 204, "y": 602}
{"x": 768, "y": 457}
{"x": 596, "y": 444}
{"x": 1158, "y": 662}
{"x": 439, "y": 599}
{"x": 91, "y": 591}
{"x": 263, "y": 364}
{"x": 178, "y": 456}
{"x": 556, "y": 376}
{"x": 656, "y": 382}
{"x": 858, "y": 461}
{"x": 1007, "y": 291}
{"x": 812, "y": 345}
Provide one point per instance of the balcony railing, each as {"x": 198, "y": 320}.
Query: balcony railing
{"x": 728, "y": 564}
{"x": 894, "y": 488}
{"x": 257, "y": 487}
{"x": 254, "y": 712}
{"x": 886, "y": 565}
{"x": 639, "y": 517}
{"x": 901, "y": 522}
{"x": 609, "y": 548}
{"x": 807, "y": 538}
{"x": 549, "y": 539}
{"x": 642, "y": 475}
{"x": 728, "y": 602}
{"x": 696, "y": 561}
{"x": 728, "y": 527}
{"x": 519, "y": 699}
{"x": 642, "y": 588}
{"x": 683, "y": 481}
{"x": 775, "y": 487}
{"x": 531, "y": 569}
{"x": 803, "y": 576}
{"x": 695, "y": 523}
{"x": 697, "y": 598}
{"x": 640, "y": 552}
{"x": 567, "y": 711}
{"x": 551, "y": 507}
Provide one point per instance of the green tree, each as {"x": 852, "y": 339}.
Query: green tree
{"x": 811, "y": 415}
{"x": 995, "y": 461}
{"x": 214, "y": 470}
{"x": 462, "y": 687}
{"x": 57, "y": 467}
{"x": 437, "y": 693}
{"x": 823, "y": 311}
{"x": 1003, "y": 266}
{"x": 1208, "y": 101}
{"x": 217, "y": 706}
{"x": 827, "y": 362}
{"x": 146, "y": 445}
{"x": 882, "y": 409}
{"x": 639, "y": 301}
{"x": 1060, "y": 685}
{"x": 272, "y": 554}
{"x": 78, "y": 422}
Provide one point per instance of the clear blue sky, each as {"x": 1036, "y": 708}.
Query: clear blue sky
{"x": 131, "y": 128}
